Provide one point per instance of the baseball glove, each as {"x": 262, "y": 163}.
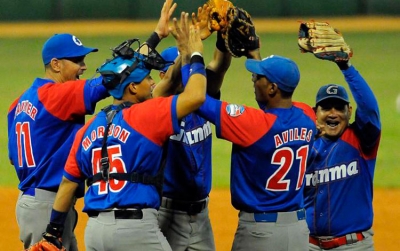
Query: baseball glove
{"x": 51, "y": 240}
{"x": 240, "y": 36}
{"x": 44, "y": 245}
{"x": 324, "y": 41}
{"x": 217, "y": 14}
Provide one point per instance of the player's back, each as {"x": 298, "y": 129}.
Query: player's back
{"x": 187, "y": 174}
{"x": 134, "y": 144}
{"x": 268, "y": 172}
{"x": 40, "y": 139}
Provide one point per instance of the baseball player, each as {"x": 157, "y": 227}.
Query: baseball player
{"x": 269, "y": 154}
{"x": 42, "y": 123}
{"x": 119, "y": 152}
{"x": 339, "y": 180}
{"x": 183, "y": 215}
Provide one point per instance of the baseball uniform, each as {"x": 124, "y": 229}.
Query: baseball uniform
{"x": 269, "y": 153}
{"x": 122, "y": 213}
{"x": 42, "y": 124}
{"x": 270, "y": 149}
{"x": 183, "y": 215}
{"x": 339, "y": 180}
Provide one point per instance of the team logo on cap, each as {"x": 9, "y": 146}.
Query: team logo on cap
{"x": 77, "y": 41}
{"x": 234, "y": 110}
{"x": 332, "y": 89}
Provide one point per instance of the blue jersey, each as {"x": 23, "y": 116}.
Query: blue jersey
{"x": 269, "y": 153}
{"x": 339, "y": 180}
{"x": 135, "y": 144}
{"x": 188, "y": 164}
{"x": 42, "y": 124}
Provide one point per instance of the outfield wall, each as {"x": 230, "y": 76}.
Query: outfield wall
{"x": 43, "y": 10}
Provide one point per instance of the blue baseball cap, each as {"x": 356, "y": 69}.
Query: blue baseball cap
{"x": 279, "y": 70}
{"x": 64, "y": 46}
{"x": 332, "y": 91}
{"x": 169, "y": 55}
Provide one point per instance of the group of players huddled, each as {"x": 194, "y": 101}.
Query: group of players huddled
{"x": 301, "y": 176}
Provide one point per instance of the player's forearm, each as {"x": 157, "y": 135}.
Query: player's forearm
{"x": 65, "y": 195}
{"x": 367, "y": 105}
{"x": 367, "y": 118}
{"x": 216, "y": 71}
{"x": 171, "y": 81}
{"x": 194, "y": 94}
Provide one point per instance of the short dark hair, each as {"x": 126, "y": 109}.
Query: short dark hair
{"x": 285, "y": 94}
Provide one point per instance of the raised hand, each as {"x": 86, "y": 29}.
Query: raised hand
{"x": 195, "y": 43}
{"x": 162, "y": 28}
{"x": 180, "y": 31}
{"x": 203, "y": 20}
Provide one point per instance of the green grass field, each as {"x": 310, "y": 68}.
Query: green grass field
{"x": 376, "y": 57}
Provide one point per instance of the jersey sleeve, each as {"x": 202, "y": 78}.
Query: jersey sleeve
{"x": 367, "y": 118}
{"x": 71, "y": 169}
{"x": 71, "y": 99}
{"x": 185, "y": 71}
{"x": 236, "y": 123}
{"x": 10, "y": 119}
{"x": 157, "y": 118}
{"x": 308, "y": 110}
{"x": 94, "y": 91}
{"x": 11, "y": 113}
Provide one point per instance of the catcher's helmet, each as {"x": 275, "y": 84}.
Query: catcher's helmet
{"x": 128, "y": 66}
{"x": 119, "y": 72}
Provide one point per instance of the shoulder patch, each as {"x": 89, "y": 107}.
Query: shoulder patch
{"x": 234, "y": 110}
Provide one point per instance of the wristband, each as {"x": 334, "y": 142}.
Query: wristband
{"x": 153, "y": 40}
{"x": 197, "y": 68}
{"x": 220, "y": 44}
{"x": 197, "y": 59}
{"x": 58, "y": 218}
{"x": 343, "y": 65}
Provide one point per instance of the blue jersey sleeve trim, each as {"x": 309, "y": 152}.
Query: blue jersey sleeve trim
{"x": 58, "y": 217}
{"x": 72, "y": 178}
{"x": 211, "y": 111}
{"x": 94, "y": 91}
{"x": 175, "y": 121}
{"x": 185, "y": 70}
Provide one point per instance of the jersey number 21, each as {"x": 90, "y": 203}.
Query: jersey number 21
{"x": 284, "y": 157}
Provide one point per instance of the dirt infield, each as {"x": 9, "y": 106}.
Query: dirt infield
{"x": 223, "y": 218}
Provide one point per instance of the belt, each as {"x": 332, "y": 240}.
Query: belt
{"x": 334, "y": 242}
{"x": 190, "y": 207}
{"x": 120, "y": 214}
{"x": 273, "y": 217}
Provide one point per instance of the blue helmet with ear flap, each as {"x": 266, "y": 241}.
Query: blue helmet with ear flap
{"x": 128, "y": 66}
{"x": 119, "y": 72}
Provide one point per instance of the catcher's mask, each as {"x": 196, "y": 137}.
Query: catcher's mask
{"x": 127, "y": 66}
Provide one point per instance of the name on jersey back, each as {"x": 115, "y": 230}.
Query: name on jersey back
{"x": 26, "y": 107}
{"x": 98, "y": 133}
{"x": 293, "y": 134}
